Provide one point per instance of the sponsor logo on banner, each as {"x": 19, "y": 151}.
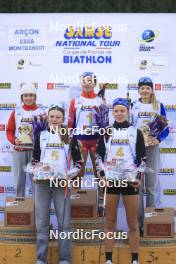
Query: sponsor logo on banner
{"x": 57, "y": 86}
{"x": 7, "y": 189}
{"x": 2, "y": 127}
{"x": 5, "y": 85}
{"x": 10, "y": 189}
{"x": 143, "y": 64}
{"x": 170, "y": 108}
{"x": 151, "y": 63}
{"x": 22, "y": 63}
{"x": 157, "y": 87}
{"x": 5, "y": 168}
{"x": 171, "y": 115}
{"x": 169, "y": 191}
{"x": 165, "y": 87}
{"x": 167, "y": 150}
{"x": 7, "y": 106}
{"x": 132, "y": 86}
{"x": 26, "y": 40}
{"x": 167, "y": 171}
{"x": 6, "y": 148}
{"x": 110, "y": 86}
{"x": 88, "y": 45}
{"x": 146, "y": 38}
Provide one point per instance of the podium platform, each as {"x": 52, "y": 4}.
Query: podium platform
{"x": 151, "y": 251}
{"x": 18, "y": 246}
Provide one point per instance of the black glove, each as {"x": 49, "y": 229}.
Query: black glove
{"x": 101, "y": 174}
{"x": 139, "y": 176}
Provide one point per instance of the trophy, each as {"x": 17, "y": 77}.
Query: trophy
{"x": 146, "y": 133}
{"x": 25, "y": 135}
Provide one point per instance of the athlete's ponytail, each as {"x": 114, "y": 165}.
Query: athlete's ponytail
{"x": 154, "y": 101}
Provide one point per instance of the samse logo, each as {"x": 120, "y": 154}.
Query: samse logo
{"x": 88, "y": 32}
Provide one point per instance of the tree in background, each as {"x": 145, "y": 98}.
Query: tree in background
{"x": 42, "y": 6}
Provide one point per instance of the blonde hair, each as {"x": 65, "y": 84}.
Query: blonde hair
{"x": 154, "y": 101}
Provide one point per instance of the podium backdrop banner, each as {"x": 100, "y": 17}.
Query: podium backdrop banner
{"x": 53, "y": 50}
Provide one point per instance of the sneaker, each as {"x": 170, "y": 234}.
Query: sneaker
{"x": 135, "y": 262}
{"x": 108, "y": 262}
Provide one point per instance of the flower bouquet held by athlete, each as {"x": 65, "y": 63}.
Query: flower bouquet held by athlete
{"x": 149, "y": 115}
{"x": 51, "y": 156}
{"x": 120, "y": 161}
{"x": 20, "y": 134}
{"x": 87, "y": 112}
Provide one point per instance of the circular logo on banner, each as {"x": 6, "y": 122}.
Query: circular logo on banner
{"x": 149, "y": 35}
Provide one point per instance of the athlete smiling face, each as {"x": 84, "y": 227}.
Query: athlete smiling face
{"x": 28, "y": 99}
{"x": 55, "y": 117}
{"x": 145, "y": 92}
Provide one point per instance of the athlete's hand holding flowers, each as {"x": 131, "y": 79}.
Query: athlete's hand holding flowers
{"x": 153, "y": 129}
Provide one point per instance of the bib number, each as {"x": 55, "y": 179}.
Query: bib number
{"x": 55, "y": 155}
{"x": 89, "y": 116}
{"x": 119, "y": 152}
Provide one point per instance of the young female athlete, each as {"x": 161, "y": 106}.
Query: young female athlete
{"x": 123, "y": 144}
{"x": 53, "y": 148}
{"x": 20, "y": 134}
{"x": 86, "y": 113}
{"x": 142, "y": 112}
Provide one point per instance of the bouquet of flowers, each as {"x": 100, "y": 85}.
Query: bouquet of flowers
{"x": 47, "y": 171}
{"x": 157, "y": 125}
{"x": 39, "y": 123}
{"x": 120, "y": 170}
{"x": 154, "y": 127}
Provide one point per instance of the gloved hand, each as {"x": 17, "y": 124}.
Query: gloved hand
{"x": 139, "y": 175}
{"x": 96, "y": 109}
{"x": 138, "y": 179}
{"x": 136, "y": 184}
{"x": 142, "y": 167}
{"x": 100, "y": 174}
